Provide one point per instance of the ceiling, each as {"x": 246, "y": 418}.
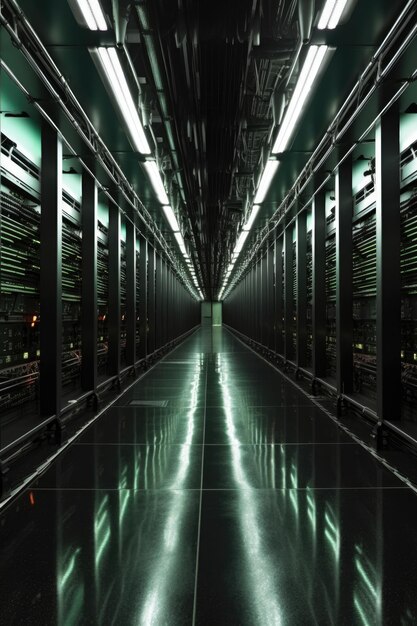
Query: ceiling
{"x": 213, "y": 78}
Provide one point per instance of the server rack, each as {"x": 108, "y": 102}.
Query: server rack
{"x": 354, "y": 299}
{"x": 77, "y": 295}
{"x": 19, "y": 302}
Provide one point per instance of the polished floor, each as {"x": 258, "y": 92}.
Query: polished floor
{"x": 213, "y": 492}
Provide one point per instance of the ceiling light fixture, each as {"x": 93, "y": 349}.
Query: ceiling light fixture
{"x": 181, "y": 243}
{"x": 156, "y": 181}
{"x": 171, "y": 219}
{"x": 241, "y": 241}
{"x": 252, "y": 217}
{"x": 266, "y": 179}
{"x": 310, "y": 69}
{"x": 110, "y": 63}
{"x": 91, "y": 12}
{"x": 331, "y": 14}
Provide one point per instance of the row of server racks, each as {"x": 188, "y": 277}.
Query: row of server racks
{"x": 332, "y": 293}
{"x": 86, "y": 297}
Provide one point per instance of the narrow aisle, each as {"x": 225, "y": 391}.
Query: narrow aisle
{"x": 108, "y": 535}
{"x": 279, "y": 518}
{"x": 300, "y": 525}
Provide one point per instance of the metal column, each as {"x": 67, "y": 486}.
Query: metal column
{"x": 288, "y": 293}
{"x": 113, "y": 362}
{"x": 344, "y": 286}
{"x": 158, "y": 301}
{"x": 264, "y": 301}
{"x": 151, "y": 299}
{"x": 279, "y": 296}
{"x": 388, "y": 238}
{"x": 143, "y": 297}
{"x": 89, "y": 283}
{"x": 51, "y": 273}
{"x": 271, "y": 305}
{"x": 319, "y": 285}
{"x": 130, "y": 293}
{"x": 164, "y": 297}
{"x": 301, "y": 268}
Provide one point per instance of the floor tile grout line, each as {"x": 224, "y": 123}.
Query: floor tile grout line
{"x": 197, "y": 558}
{"x": 220, "y": 445}
{"x": 253, "y": 490}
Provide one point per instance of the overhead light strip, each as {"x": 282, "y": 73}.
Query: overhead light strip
{"x": 92, "y": 14}
{"x": 112, "y": 67}
{"x": 181, "y": 243}
{"x": 252, "y": 217}
{"x": 156, "y": 181}
{"x": 266, "y": 179}
{"x": 331, "y": 14}
{"x": 171, "y": 218}
{"x": 310, "y": 69}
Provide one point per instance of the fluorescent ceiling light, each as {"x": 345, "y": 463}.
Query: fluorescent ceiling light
{"x": 180, "y": 241}
{"x": 91, "y": 13}
{"x": 312, "y": 64}
{"x": 112, "y": 67}
{"x": 241, "y": 241}
{"x": 331, "y": 14}
{"x": 171, "y": 219}
{"x": 252, "y": 216}
{"x": 156, "y": 180}
{"x": 267, "y": 176}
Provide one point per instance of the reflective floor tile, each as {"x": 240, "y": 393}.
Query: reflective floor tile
{"x": 294, "y": 466}
{"x": 97, "y": 557}
{"x": 318, "y": 557}
{"x": 281, "y": 424}
{"x": 146, "y": 425}
{"x": 126, "y": 467}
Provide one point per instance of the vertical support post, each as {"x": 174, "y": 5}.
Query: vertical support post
{"x": 130, "y": 293}
{"x": 113, "y": 362}
{"x": 89, "y": 283}
{"x": 388, "y": 239}
{"x": 51, "y": 273}
{"x": 301, "y": 267}
{"x": 143, "y": 297}
{"x": 151, "y": 299}
{"x": 319, "y": 285}
{"x": 288, "y": 293}
{"x": 259, "y": 300}
{"x": 164, "y": 296}
{"x": 344, "y": 280}
{"x": 158, "y": 307}
{"x": 265, "y": 293}
{"x": 271, "y": 304}
{"x": 279, "y": 296}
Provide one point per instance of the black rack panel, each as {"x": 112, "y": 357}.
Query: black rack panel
{"x": 19, "y": 299}
{"x": 364, "y": 305}
{"x": 102, "y": 300}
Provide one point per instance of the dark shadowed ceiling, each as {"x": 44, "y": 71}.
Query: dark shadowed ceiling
{"x": 212, "y": 78}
